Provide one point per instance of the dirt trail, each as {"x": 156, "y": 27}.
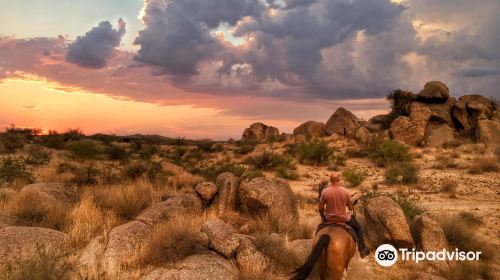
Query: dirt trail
{"x": 361, "y": 268}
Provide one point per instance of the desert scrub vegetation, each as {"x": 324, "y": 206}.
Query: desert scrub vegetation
{"x": 125, "y": 200}
{"x": 449, "y": 186}
{"x": 287, "y": 173}
{"x": 84, "y": 149}
{"x": 269, "y": 161}
{"x": 46, "y": 265}
{"x": 34, "y": 209}
{"x": 210, "y": 171}
{"x": 11, "y": 142}
{"x": 37, "y": 156}
{"x": 353, "y": 177}
{"x": 15, "y": 170}
{"x": 314, "y": 152}
{"x": 459, "y": 233}
{"x": 390, "y": 152}
{"x": 444, "y": 162}
{"x": 171, "y": 241}
{"x": 84, "y": 176}
{"x": 405, "y": 173}
{"x": 116, "y": 152}
{"x": 400, "y": 102}
{"x": 410, "y": 207}
{"x": 486, "y": 164}
{"x": 282, "y": 259}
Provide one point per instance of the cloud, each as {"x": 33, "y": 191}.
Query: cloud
{"x": 93, "y": 49}
{"x": 474, "y": 72}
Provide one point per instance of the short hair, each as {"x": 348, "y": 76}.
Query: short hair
{"x": 334, "y": 177}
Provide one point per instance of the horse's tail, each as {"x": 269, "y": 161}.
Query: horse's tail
{"x": 302, "y": 272}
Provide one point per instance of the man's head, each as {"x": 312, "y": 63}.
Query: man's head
{"x": 334, "y": 178}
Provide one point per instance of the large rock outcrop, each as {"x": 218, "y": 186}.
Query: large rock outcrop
{"x": 342, "y": 122}
{"x": 429, "y": 236}
{"x": 227, "y": 197}
{"x": 207, "y": 266}
{"x": 441, "y": 112}
{"x": 436, "y": 135}
{"x": 221, "y": 237}
{"x": 310, "y": 128}
{"x": 411, "y": 130}
{"x": 19, "y": 244}
{"x": 434, "y": 91}
{"x": 260, "y": 132}
{"x": 172, "y": 207}
{"x": 469, "y": 108}
{"x": 248, "y": 258}
{"x": 386, "y": 223}
{"x": 272, "y": 197}
{"x": 488, "y": 132}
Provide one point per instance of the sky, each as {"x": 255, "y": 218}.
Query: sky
{"x": 210, "y": 68}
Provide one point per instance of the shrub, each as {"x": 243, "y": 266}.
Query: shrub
{"x": 282, "y": 258}
{"x": 147, "y": 151}
{"x": 73, "y": 134}
{"x": 171, "y": 241}
{"x": 459, "y": 234}
{"x": 33, "y": 209}
{"x": 209, "y": 146}
{"x": 15, "y": 169}
{"x": 353, "y": 177}
{"x": 449, "y": 186}
{"x": 405, "y": 173}
{"x": 37, "y": 156}
{"x": 125, "y": 201}
{"x": 284, "y": 172}
{"x": 314, "y": 152}
{"x": 135, "y": 170}
{"x": 470, "y": 219}
{"x": 269, "y": 161}
{"x": 156, "y": 174}
{"x": 409, "y": 207}
{"x": 84, "y": 149}
{"x": 390, "y": 152}
{"x": 11, "y": 142}
{"x": 250, "y": 174}
{"x": 84, "y": 176}
{"x": 245, "y": 149}
{"x": 116, "y": 152}
{"x": 480, "y": 165}
{"x": 400, "y": 102}
{"x": 445, "y": 161}
{"x": 211, "y": 171}
{"x": 53, "y": 140}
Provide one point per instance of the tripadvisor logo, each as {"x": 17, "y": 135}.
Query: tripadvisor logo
{"x": 387, "y": 255}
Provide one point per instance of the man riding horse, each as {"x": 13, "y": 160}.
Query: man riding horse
{"x": 334, "y": 246}
{"x": 333, "y": 202}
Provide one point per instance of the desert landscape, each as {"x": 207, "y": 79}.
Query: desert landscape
{"x": 426, "y": 175}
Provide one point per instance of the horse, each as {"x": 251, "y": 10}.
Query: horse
{"x": 334, "y": 247}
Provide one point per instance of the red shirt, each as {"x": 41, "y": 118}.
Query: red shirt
{"x": 335, "y": 198}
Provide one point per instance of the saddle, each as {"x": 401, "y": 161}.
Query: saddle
{"x": 338, "y": 224}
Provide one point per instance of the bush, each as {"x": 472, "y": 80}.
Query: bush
{"x": 390, "y": 152}
{"x": 84, "y": 176}
{"x": 11, "y": 142}
{"x": 284, "y": 172}
{"x": 481, "y": 165}
{"x": 409, "y": 207}
{"x": 269, "y": 161}
{"x": 449, "y": 186}
{"x": 400, "y": 104}
{"x": 84, "y": 149}
{"x": 353, "y": 177}
{"x": 171, "y": 241}
{"x": 245, "y": 149}
{"x": 116, "y": 152}
{"x": 37, "y": 156}
{"x": 445, "y": 161}
{"x": 314, "y": 152}
{"x": 53, "y": 140}
{"x": 135, "y": 170}
{"x": 211, "y": 171}
{"x": 15, "y": 169}
{"x": 405, "y": 173}
{"x": 250, "y": 174}
{"x": 470, "y": 219}
{"x": 460, "y": 235}
{"x": 147, "y": 151}
{"x": 33, "y": 209}
{"x": 282, "y": 258}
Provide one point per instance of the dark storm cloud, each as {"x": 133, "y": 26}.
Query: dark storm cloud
{"x": 468, "y": 73}
{"x": 93, "y": 49}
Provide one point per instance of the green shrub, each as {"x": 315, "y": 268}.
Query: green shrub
{"x": 409, "y": 207}
{"x": 73, "y": 134}
{"x": 11, "y": 142}
{"x": 147, "y": 151}
{"x": 53, "y": 140}
{"x": 353, "y": 177}
{"x": 116, "y": 152}
{"x": 269, "y": 161}
{"x": 15, "y": 169}
{"x": 404, "y": 172}
{"x": 208, "y": 146}
{"x": 245, "y": 149}
{"x": 390, "y": 152}
{"x": 84, "y": 176}
{"x": 314, "y": 152}
{"x": 250, "y": 174}
{"x": 135, "y": 170}
{"x": 211, "y": 171}
{"x": 84, "y": 149}
{"x": 37, "y": 156}
{"x": 400, "y": 104}
{"x": 284, "y": 172}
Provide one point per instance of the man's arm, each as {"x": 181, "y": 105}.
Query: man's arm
{"x": 350, "y": 206}
{"x": 321, "y": 206}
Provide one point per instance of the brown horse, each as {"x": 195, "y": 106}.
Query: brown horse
{"x": 333, "y": 250}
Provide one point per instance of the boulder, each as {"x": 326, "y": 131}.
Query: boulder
{"x": 221, "y": 237}
{"x": 342, "y": 122}
{"x": 441, "y": 112}
{"x": 172, "y": 207}
{"x": 260, "y": 132}
{"x": 248, "y": 258}
{"x": 386, "y": 223}
{"x": 363, "y": 135}
{"x": 411, "y": 130}
{"x": 19, "y": 244}
{"x": 378, "y": 119}
{"x": 301, "y": 248}
{"x": 89, "y": 262}
{"x": 7, "y": 219}
{"x": 488, "y": 132}
{"x": 436, "y": 135}
{"x": 468, "y": 108}
{"x": 434, "y": 91}
{"x": 206, "y": 190}
{"x": 123, "y": 242}
{"x": 273, "y": 197}
{"x": 310, "y": 128}
{"x": 226, "y": 200}
{"x": 207, "y": 266}
{"x": 55, "y": 191}
{"x": 429, "y": 236}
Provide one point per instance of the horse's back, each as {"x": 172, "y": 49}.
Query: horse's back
{"x": 340, "y": 250}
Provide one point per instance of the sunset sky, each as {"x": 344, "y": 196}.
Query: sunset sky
{"x": 210, "y": 68}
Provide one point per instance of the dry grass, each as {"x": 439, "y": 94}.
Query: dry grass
{"x": 467, "y": 270}
{"x": 444, "y": 162}
{"x": 35, "y": 209}
{"x": 87, "y": 220}
{"x": 182, "y": 180}
{"x": 283, "y": 223}
{"x": 125, "y": 200}
{"x": 487, "y": 164}
{"x": 171, "y": 241}
{"x": 282, "y": 259}
{"x": 450, "y": 186}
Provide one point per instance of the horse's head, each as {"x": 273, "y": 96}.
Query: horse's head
{"x": 321, "y": 186}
